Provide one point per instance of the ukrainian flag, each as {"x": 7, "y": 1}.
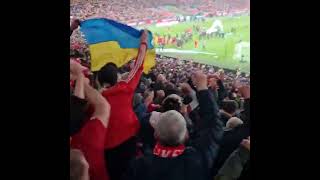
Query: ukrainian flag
{"x": 110, "y": 41}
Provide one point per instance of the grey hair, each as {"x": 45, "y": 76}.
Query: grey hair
{"x": 233, "y": 122}
{"x": 171, "y": 128}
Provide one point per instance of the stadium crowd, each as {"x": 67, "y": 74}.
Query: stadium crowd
{"x": 183, "y": 120}
{"x": 146, "y": 12}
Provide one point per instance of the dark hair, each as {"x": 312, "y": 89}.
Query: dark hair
{"x": 170, "y": 89}
{"x": 108, "y": 74}
{"x": 152, "y": 76}
{"x": 187, "y": 100}
{"x": 77, "y": 114}
{"x": 171, "y": 104}
{"x": 230, "y": 106}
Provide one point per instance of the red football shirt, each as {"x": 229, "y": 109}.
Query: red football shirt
{"x": 123, "y": 122}
{"x": 90, "y": 140}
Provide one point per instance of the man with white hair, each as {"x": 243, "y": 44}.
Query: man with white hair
{"x": 233, "y": 122}
{"x": 149, "y": 120}
{"x": 171, "y": 130}
{"x": 171, "y": 159}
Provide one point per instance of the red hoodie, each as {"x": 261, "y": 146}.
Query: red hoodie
{"x": 123, "y": 122}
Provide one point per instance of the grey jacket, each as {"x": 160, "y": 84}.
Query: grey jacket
{"x": 232, "y": 168}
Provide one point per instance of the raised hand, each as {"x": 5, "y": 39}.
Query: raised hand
{"x": 75, "y": 24}
{"x": 76, "y": 68}
{"x": 213, "y": 83}
{"x": 245, "y": 91}
{"x": 200, "y": 80}
{"x": 144, "y": 37}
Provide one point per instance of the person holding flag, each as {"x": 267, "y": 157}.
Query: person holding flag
{"x": 112, "y": 45}
{"x": 123, "y": 123}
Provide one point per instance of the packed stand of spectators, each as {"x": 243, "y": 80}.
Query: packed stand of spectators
{"x": 125, "y": 11}
{"x": 135, "y": 11}
{"x": 183, "y": 120}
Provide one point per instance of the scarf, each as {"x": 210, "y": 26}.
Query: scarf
{"x": 168, "y": 152}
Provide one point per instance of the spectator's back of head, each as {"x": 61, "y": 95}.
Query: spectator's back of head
{"x": 152, "y": 76}
{"x": 161, "y": 78}
{"x": 171, "y": 129}
{"x": 79, "y": 168}
{"x": 170, "y": 89}
{"x": 230, "y": 106}
{"x": 172, "y": 102}
{"x": 108, "y": 75}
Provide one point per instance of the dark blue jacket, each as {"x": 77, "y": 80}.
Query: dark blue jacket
{"x": 198, "y": 158}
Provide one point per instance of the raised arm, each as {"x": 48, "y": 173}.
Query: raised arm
{"x": 245, "y": 93}
{"x": 90, "y": 140}
{"x": 222, "y": 93}
{"x": 77, "y": 76}
{"x": 77, "y": 99}
{"x": 208, "y": 108}
{"x": 210, "y": 131}
{"x": 99, "y": 103}
{"x": 74, "y": 25}
{"x": 136, "y": 72}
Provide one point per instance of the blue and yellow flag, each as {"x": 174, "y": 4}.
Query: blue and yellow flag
{"x": 111, "y": 41}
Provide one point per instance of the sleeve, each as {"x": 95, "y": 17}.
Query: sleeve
{"x": 232, "y": 168}
{"x": 90, "y": 140}
{"x": 135, "y": 74}
{"x": 209, "y": 133}
{"x": 208, "y": 110}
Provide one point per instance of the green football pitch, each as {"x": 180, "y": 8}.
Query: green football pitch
{"x": 224, "y": 52}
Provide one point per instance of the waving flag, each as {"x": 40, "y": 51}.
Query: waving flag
{"x": 111, "y": 41}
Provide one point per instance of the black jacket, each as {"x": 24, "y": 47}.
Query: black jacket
{"x": 232, "y": 138}
{"x": 196, "y": 160}
{"x": 222, "y": 93}
{"x": 234, "y": 165}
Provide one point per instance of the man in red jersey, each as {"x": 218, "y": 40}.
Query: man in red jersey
{"x": 95, "y": 128}
{"x": 123, "y": 125}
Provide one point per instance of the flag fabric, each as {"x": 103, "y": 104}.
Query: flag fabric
{"x": 111, "y": 41}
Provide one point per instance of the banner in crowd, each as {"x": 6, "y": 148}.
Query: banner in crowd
{"x": 111, "y": 41}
